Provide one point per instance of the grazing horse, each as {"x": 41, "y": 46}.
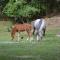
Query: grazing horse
{"x": 21, "y": 28}
{"x": 39, "y": 27}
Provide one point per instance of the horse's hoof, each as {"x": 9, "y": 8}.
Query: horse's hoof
{"x": 27, "y": 39}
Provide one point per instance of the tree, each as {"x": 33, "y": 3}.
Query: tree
{"x": 28, "y": 8}
{"x": 2, "y": 4}
{"x": 20, "y": 8}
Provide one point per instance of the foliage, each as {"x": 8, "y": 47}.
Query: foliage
{"x": 3, "y": 4}
{"x": 29, "y": 8}
{"x": 23, "y": 8}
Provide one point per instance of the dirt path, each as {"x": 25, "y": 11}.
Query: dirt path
{"x": 53, "y": 22}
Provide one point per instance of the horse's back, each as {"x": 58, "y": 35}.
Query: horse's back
{"x": 23, "y": 27}
{"x": 39, "y": 25}
{"x": 43, "y": 25}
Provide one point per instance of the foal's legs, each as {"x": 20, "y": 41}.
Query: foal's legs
{"x": 18, "y": 36}
{"x": 13, "y": 36}
{"x": 29, "y": 35}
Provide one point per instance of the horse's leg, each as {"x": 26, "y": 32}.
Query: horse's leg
{"x": 33, "y": 31}
{"x": 18, "y": 38}
{"x": 44, "y": 31}
{"x": 37, "y": 37}
{"x": 41, "y": 34}
{"x": 29, "y": 35}
{"x": 12, "y": 35}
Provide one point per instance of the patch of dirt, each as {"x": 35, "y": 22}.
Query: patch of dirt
{"x": 53, "y": 21}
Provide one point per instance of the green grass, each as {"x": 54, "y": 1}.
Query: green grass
{"x": 46, "y": 49}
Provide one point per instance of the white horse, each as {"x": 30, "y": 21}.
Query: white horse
{"x": 39, "y": 27}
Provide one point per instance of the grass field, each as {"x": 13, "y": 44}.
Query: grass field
{"x": 46, "y": 49}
